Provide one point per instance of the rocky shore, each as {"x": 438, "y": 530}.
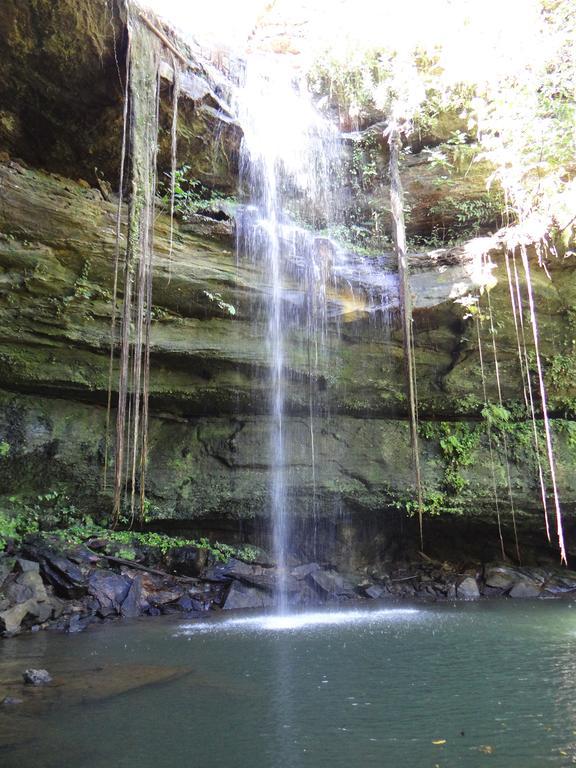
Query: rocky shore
{"x": 45, "y": 584}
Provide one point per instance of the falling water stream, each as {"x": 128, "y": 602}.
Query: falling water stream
{"x": 288, "y": 152}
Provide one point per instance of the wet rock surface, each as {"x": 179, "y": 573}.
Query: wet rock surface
{"x": 48, "y": 589}
{"x": 37, "y": 677}
{"x": 50, "y": 585}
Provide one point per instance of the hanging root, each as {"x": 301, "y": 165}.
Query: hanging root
{"x": 173, "y": 156}
{"x": 543, "y": 399}
{"x": 117, "y": 263}
{"x": 504, "y": 437}
{"x": 397, "y": 208}
{"x": 490, "y": 443}
{"x": 516, "y": 301}
{"x": 141, "y": 129}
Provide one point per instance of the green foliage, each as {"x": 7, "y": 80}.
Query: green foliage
{"x": 457, "y": 443}
{"x": 87, "y": 529}
{"x": 46, "y": 510}
{"x": 469, "y": 217}
{"x": 14, "y": 527}
{"x": 43, "y": 512}
{"x": 4, "y": 449}
{"x": 514, "y": 425}
{"x": 83, "y": 291}
{"x": 349, "y": 81}
{"x": 217, "y": 299}
{"x": 468, "y": 404}
{"x": 52, "y": 513}
{"x": 496, "y": 416}
{"x": 560, "y": 370}
{"x": 435, "y": 503}
{"x": 520, "y": 108}
{"x": 569, "y": 429}
{"x": 366, "y": 162}
{"x": 190, "y": 195}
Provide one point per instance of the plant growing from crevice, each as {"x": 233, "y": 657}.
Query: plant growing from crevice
{"x": 190, "y": 195}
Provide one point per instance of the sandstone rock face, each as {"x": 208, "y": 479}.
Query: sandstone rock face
{"x": 209, "y": 434}
{"x": 209, "y": 450}
{"x": 62, "y": 91}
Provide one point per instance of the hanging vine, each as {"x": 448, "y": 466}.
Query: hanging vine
{"x": 399, "y": 231}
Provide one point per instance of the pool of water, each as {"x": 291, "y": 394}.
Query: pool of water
{"x": 408, "y": 687}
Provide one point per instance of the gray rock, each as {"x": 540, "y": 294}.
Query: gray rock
{"x": 232, "y": 569}
{"x": 525, "y": 589}
{"x": 467, "y": 589}
{"x": 306, "y": 595}
{"x": 37, "y": 677}
{"x": 131, "y": 606}
{"x": 162, "y": 597}
{"x": 82, "y": 555}
{"x": 65, "y": 576}
{"x": 501, "y": 577}
{"x": 375, "y": 591}
{"x": 29, "y": 583}
{"x": 6, "y": 566}
{"x": 43, "y": 611}
{"x": 301, "y": 571}
{"x": 560, "y": 583}
{"x": 27, "y": 565}
{"x": 188, "y": 561}
{"x": 10, "y": 701}
{"x": 332, "y": 584}
{"x": 11, "y": 619}
{"x": 403, "y": 588}
{"x": 109, "y": 589}
{"x": 243, "y": 596}
{"x": 18, "y": 593}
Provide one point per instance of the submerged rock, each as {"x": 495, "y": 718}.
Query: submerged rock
{"x": 37, "y": 677}
{"x": 10, "y": 701}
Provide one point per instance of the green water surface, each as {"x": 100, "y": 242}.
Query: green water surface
{"x": 492, "y": 682}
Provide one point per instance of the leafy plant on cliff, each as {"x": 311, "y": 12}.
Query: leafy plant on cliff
{"x": 190, "y": 194}
{"x": 516, "y": 103}
{"x": 13, "y": 527}
{"x": 457, "y": 442}
{"x": 470, "y": 216}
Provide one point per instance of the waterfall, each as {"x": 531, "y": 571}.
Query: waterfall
{"x": 288, "y": 154}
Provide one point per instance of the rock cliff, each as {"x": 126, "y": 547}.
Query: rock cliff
{"x": 60, "y": 131}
